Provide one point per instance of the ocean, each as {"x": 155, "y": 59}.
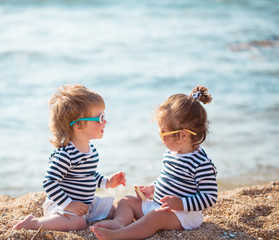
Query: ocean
{"x": 136, "y": 54}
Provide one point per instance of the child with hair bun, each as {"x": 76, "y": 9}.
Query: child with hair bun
{"x": 186, "y": 184}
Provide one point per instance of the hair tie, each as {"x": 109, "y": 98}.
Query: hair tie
{"x": 197, "y": 95}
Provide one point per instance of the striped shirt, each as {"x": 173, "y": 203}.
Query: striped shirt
{"x": 72, "y": 176}
{"x": 191, "y": 176}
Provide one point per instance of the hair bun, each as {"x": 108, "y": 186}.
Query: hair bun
{"x": 201, "y": 93}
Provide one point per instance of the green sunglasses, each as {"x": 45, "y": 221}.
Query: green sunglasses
{"x": 100, "y": 119}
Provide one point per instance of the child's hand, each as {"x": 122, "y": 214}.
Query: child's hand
{"x": 172, "y": 203}
{"x": 147, "y": 191}
{"x": 77, "y": 207}
{"x": 116, "y": 179}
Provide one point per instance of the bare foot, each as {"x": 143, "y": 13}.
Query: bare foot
{"x": 103, "y": 233}
{"x": 27, "y": 223}
{"x": 108, "y": 224}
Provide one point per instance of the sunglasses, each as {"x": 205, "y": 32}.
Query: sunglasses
{"x": 173, "y": 132}
{"x": 100, "y": 119}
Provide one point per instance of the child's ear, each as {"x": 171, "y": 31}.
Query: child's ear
{"x": 184, "y": 135}
{"x": 78, "y": 126}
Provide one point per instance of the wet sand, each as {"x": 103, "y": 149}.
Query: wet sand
{"x": 242, "y": 213}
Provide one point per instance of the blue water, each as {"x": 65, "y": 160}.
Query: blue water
{"x": 136, "y": 54}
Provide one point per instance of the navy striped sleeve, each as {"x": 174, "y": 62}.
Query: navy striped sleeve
{"x": 57, "y": 169}
{"x": 207, "y": 191}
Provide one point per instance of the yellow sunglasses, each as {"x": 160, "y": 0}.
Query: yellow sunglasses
{"x": 173, "y": 132}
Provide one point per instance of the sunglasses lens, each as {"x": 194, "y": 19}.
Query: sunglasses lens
{"x": 102, "y": 118}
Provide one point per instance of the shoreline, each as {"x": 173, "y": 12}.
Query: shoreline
{"x": 241, "y": 213}
{"x": 224, "y": 184}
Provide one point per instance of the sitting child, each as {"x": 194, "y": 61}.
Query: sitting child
{"x": 76, "y": 116}
{"x": 186, "y": 184}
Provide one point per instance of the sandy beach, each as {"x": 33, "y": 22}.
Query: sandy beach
{"x": 242, "y": 213}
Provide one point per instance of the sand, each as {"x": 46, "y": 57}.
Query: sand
{"x": 242, "y": 213}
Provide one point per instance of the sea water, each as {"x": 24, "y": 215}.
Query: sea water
{"x": 136, "y": 54}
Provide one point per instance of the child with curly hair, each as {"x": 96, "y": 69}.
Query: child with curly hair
{"x": 76, "y": 116}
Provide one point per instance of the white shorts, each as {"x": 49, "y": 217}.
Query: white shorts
{"x": 98, "y": 209}
{"x": 188, "y": 220}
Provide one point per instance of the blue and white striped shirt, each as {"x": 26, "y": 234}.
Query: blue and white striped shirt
{"x": 72, "y": 176}
{"x": 191, "y": 176}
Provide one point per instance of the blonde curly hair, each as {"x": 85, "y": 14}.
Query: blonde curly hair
{"x": 68, "y": 103}
{"x": 181, "y": 111}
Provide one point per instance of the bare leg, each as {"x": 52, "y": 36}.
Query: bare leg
{"x": 158, "y": 219}
{"x": 111, "y": 212}
{"x": 128, "y": 209}
{"x": 53, "y": 222}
